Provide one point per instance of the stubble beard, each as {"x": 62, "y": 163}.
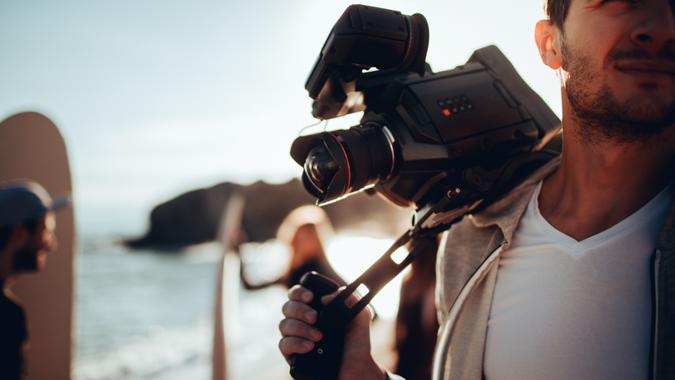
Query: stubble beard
{"x": 600, "y": 115}
{"x": 27, "y": 260}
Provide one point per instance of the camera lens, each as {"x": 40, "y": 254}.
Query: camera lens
{"x": 320, "y": 168}
{"x": 340, "y": 162}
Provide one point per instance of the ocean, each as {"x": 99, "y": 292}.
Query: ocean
{"x": 142, "y": 314}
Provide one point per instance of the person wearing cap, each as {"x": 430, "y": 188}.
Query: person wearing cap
{"x": 27, "y": 226}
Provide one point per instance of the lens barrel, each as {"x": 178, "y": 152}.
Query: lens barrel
{"x": 339, "y": 162}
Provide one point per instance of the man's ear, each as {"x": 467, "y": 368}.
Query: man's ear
{"x": 546, "y": 37}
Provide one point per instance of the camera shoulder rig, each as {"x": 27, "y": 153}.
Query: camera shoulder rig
{"x": 324, "y": 361}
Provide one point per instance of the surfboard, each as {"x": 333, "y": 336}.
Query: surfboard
{"x": 227, "y": 286}
{"x": 31, "y": 147}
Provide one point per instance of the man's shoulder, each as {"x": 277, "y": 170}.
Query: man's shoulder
{"x": 492, "y": 226}
{"x": 467, "y": 233}
{"x": 504, "y": 213}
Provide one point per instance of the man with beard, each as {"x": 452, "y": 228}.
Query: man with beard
{"x": 572, "y": 274}
{"x": 26, "y": 236}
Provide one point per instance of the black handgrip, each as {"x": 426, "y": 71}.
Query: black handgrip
{"x": 323, "y": 362}
{"x": 320, "y": 285}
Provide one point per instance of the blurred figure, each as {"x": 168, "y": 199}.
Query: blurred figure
{"x": 27, "y": 226}
{"x": 304, "y": 230}
{"x": 416, "y": 321}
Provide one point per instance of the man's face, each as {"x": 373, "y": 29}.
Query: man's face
{"x": 618, "y": 61}
{"x": 32, "y": 256}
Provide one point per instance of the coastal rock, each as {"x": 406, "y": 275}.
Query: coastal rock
{"x": 194, "y": 217}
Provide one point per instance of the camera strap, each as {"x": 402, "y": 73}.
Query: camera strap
{"x": 368, "y": 284}
{"x": 325, "y": 359}
{"x": 401, "y": 253}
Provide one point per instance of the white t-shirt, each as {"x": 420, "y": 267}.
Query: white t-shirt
{"x": 567, "y": 309}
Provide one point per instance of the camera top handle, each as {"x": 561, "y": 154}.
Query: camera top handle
{"x": 363, "y": 38}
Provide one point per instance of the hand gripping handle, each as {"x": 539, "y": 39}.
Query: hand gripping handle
{"x": 323, "y": 362}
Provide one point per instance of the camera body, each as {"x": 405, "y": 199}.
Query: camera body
{"x": 423, "y": 135}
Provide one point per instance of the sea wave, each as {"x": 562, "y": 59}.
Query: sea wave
{"x": 158, "y": 356}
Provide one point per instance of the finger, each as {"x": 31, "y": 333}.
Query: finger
{"x": 293, "y": 345}
{"x": 299, "y": 310}
{"x": 330, "y": 297}
{"x": 300, "y": 294}
{"x": 349, "y": 301}
{"x": 293, "y": 327}
{"x": 352, "y": 300}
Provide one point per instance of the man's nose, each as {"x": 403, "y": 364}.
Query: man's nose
{"x": 656, "y": 32}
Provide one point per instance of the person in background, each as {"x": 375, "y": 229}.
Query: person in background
{"x": 27, "y": 225}
{"x": 416, "y": 323}
{"x": 304, "y": 230}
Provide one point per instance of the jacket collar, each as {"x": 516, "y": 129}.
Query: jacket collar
{"x": 507, "y": 211}
{"x": 667, "y": 235}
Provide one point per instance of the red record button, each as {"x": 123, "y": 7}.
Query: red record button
{"x": 446, "y": 112}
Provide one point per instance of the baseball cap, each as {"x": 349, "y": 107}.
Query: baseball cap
{"x": 21, "y": 201}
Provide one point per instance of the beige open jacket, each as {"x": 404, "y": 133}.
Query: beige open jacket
{"x": 467, "y": 271}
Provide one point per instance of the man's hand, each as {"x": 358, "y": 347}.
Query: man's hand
{"x": 299, "y": 336}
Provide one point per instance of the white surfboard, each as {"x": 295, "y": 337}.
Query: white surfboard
{"x": 31, "y": 147}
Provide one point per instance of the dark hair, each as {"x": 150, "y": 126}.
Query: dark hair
{"x": 32, "y": 224}
{"x": 556, "y": 10}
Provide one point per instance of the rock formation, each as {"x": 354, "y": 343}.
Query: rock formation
{"x": 194, "y": 217}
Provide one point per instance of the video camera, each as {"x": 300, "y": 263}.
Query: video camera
{"x": 450, "y": 142}
{"x": 422, "y": 133}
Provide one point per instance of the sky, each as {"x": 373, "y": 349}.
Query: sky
{"x": 157, "y": 97}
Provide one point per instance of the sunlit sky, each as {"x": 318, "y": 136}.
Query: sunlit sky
{"x": 158, "y": 97}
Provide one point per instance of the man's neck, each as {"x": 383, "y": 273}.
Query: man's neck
{"x": 599, "y": 184}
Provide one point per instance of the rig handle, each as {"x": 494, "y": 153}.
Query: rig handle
{"x": 323, "y": 362}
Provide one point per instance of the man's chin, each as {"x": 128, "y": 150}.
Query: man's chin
{"x": 636, "y": 109}
{"x": 645, "y": 101}
{"x": 630, "y": 122}
{"x": 649, "y": 114}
